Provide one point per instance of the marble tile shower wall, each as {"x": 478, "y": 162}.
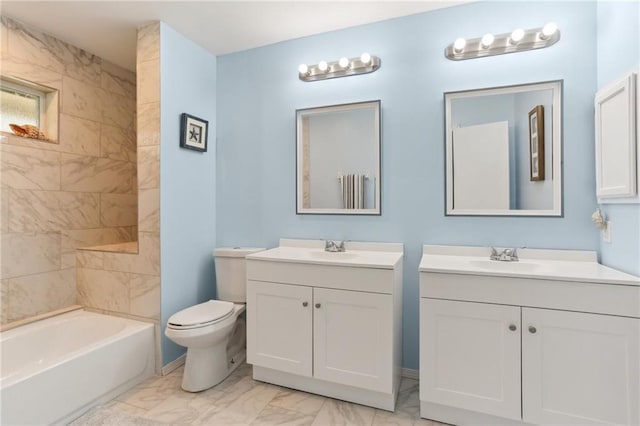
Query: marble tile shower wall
{"x": 79, "y": 192}
{"x": 128, "y": 283}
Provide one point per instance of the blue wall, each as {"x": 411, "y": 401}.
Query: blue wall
{"x": 618, "y": 54}
{"x": 259, "y": 91}
{"x": 187, "y": 179}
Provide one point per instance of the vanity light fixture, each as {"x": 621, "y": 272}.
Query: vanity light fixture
{"x": 517, "y": 41}
{"x": 344, "y": 67}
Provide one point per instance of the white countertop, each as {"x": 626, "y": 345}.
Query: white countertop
{"x": 362, "y": 255}
{"x": 558, "y": 265}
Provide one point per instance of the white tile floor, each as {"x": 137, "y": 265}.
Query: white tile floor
{"x": 240, "y": 400}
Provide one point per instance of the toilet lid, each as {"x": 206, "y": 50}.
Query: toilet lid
{"x": 203, "y": 313}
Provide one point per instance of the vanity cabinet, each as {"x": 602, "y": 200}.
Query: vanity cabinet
{"x": 502, "y": 346}
{"x": 334, "y": 335}
{"x": 330, "y": 327}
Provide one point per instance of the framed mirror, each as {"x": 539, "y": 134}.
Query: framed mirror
{"x": 338, "y": 159}
{"x": 504, "y": 151}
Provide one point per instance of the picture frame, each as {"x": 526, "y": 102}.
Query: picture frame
{"x": 193, "y": 132}
{"x": 536, "y": 143}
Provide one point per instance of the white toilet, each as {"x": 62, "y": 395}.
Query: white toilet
{"x": 213, "y": 332}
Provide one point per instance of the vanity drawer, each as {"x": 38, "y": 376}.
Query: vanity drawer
{"x": 610, "y": 299}
{"x": 371, "y": 280}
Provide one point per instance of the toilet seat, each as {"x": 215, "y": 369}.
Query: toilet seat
{"x": 201, "y": 315}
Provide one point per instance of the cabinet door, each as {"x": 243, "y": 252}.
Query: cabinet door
{"x": 353, "y": 340}
{"x": 279, "y": 326}
{"x": 616, "y": 140}
{"x": 579, "y": 369}
{"x": 470, "y": 356}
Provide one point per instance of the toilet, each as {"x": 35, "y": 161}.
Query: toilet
{"x": 213, "y": 332}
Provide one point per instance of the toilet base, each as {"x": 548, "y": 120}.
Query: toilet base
{"x": 207, "y": 366}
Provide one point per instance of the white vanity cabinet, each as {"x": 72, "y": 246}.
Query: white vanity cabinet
{"x": 331, "y": 327}
{"x": 536, "y": 342}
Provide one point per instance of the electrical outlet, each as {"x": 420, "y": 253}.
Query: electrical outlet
{"x": 606, "y": 233}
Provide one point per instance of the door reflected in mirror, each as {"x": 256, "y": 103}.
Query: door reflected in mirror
{"x": 338, "y": 159}
{"x": 503, "y": 150}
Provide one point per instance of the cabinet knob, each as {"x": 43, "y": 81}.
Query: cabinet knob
{"x": 512, "y": 327}
{"x": 318, "y": 305}
{"x": 305, "y": 304}
{"x": 532, "y": 329}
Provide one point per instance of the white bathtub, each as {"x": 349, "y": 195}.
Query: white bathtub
{"x": 54, "y": 370}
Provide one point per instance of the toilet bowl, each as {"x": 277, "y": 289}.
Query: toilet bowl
{"x": 214, "y": 331}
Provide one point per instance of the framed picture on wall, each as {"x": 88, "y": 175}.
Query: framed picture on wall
{"x": 536, "y": 143}
{"x": 193, "y": 132}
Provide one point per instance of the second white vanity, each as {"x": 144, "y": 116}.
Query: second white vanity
{"x": 550, "y": 339}
{"x": 327, "y": 322}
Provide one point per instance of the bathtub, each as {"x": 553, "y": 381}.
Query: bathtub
{"x": 54, "y": 370}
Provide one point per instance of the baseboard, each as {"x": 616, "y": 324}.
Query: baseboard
{"x": 410, "y": 373}
{"x": 176, "y": 363}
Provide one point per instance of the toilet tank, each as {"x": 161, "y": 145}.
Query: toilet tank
{"x": 231, "y": 272}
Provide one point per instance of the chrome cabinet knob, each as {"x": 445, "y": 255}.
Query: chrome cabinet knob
{"x": 532, "y": 329}
{"x": 512, "y": 327}
{"x": 305, "y": 304}
{"x": 317, "y": 305}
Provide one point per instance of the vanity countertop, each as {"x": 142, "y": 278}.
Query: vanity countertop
{"x": 362, "y": 255}
{"x": 557, "y": 265}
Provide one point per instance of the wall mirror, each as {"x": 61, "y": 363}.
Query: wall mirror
{"x": 338, "y": 159}
{"x": 503, "y": 151}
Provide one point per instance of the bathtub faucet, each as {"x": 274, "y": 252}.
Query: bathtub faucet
{"x": 334, "y": 246}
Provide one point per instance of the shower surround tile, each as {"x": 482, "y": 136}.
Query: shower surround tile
{"x": 29, "y": 168}
{"x": 81, "y": 99}
{"x": 50, "y": 211}
{"x": 40, "y": 293}
{"x": 144, "y": 294}
{"x": 149, "y": 124}
{"x": 91, "y": 174}
{"x": 27, "y": 254}
{"x": 148, "y": 167}
{"x": 100, "y": 289}
{"x": 149, "y": 42}
{"x": 56, "y": 197}
{"x": 118, "y": 210}
{"x": 149, "y": 81}
{"x": 147, "y": 261}
{"x": 79, "y": 135}
{"x": 118, "y": 143}
{"x": 149, "y": 210}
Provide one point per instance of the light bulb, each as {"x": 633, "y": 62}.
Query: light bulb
{"x": 303, "y": 69}
{"x": 548, "y": 30}
{"x": 323, "y": 66}
{"x": 459, "y": 44}
{"x": 343, "y": 62}
{"x": 516, "y": 36}
{"x": 487, "y": 40}
{"x": 365, "y": 58}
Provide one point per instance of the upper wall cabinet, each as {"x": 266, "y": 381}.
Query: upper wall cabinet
{"x": 503, "y": 151}
{"x": 617, "y": 153}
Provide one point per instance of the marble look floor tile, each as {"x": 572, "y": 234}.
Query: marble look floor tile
{"x": 179, "y": 408}
{"x": 335, "y": 412}
{"x": 152, "y": 392}
{"x": 301, "y": 402}
{"x": 276, "y": 416}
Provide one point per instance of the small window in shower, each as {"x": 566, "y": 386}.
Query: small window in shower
{"x": 32, "y": 109}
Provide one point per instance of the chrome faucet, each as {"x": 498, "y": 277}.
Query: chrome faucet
{"x": 506, "y": 255}
{"x": 334, "y": 246}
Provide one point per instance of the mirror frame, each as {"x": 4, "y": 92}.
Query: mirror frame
{"x": 556, "y": 87}
{"x": 377, "y": 196}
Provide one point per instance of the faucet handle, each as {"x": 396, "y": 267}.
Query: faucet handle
{"x": 340, "y": 246}
{"x": 514, "y": 253}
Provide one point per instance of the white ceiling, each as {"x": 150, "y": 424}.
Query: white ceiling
{"x": 108, "y": 28}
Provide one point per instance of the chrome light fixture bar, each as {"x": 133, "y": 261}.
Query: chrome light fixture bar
{"x": 518, "y": 40}
{"x": 343, "y": 67}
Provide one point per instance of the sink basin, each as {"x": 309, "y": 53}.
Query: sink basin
{"x": 494, "y": 265}
{"x": 330, "y": 255}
